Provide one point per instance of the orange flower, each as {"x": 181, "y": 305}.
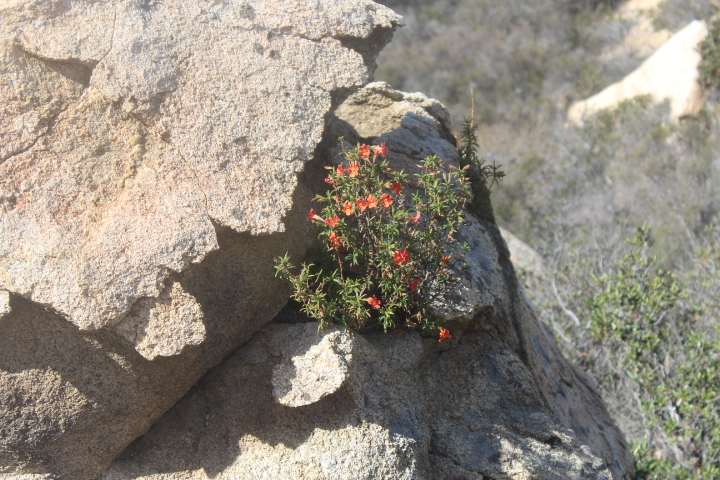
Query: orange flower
{"x": 414, "y": 285}
{"x": 364, "y": 151}
{"x": 444, "y": 334}
{"x": 386, "y": 200}
{"x": 348, "y": 208}
{"x": 354, "y": 169}
{"x": 311, "y": 215}
{"x": 335, "y": 240}
{"x": 401, "y": 257}
{"x": 362, "y": 205}
{"x": 396, "y": 187}
{"x": 372, "y": 202}
{"x": 380, "y": 150}
{"x": 333, "y": 222}
{"x": 445, "y": 259}
{"x": 374, "y": 302}
{"x": 342, "y": 170}
{"x": 416, "y": 218}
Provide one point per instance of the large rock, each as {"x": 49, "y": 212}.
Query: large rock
{"x": 498, "y": 400}
{"x": 669, "y": 74}
{"x": 148, "y": 177}
{"x": 412, "y": 408}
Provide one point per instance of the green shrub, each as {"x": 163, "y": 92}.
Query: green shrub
{"x": 481, "y": 175}
{"x": 651, "y": 337}
{"x": 390, "y": 250}
{"x": 709, "y": 67}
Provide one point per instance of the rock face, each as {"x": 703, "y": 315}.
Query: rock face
{"x": 412, "y": 408}
{"x": 669, "y": 74}
{"x": 148, "y": 170}
{"x": 496, "y": 401}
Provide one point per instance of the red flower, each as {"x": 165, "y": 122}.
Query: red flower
{"x": 401, "y": 257}
{"x": 386, "y": 200}
{"x": 335, "y": 240}
{"x": 372, "y": 202}
{"x": 364, "y": 151}
{"x": 333, "y": 222}
{"x": 374, "y": 302}
{"x": 348, "y": 208}
{"x": 311, "y": 215}
{"x": 414, "y": 285}
{"x": 330, "y": 181}
{"x": 416, "y": 218}
{"x": 444, "y": 334}
{"x": 354, "y": 169}
{"x": 396, "y": 187}
{"x": 342, "y": 170}
{"x": 445, "y": 259}
{"x": 362, "y": 204}
{"x": 380, "y": 150}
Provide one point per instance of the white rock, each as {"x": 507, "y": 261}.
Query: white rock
{"x": 669, "y": 74}
{"x": 316, "y": 364}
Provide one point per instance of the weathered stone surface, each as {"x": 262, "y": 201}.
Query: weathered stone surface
{"x": 169, "y": 117}
{"x": 669, "y": 74}
{"x": 164, "y": 326}
{"x": 150, "y": 161}
{"x": 413, "y": 125}
{"x": 497, "y": 400}
{"x": 4, "y": 303}
{"x": 412, "y": 408}
{"x": 314, "y": 366}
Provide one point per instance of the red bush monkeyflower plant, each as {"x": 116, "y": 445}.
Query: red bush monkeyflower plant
{"x": 444, "y": 334}
{"x": 401, "y": 257}
{"x": 389, "y": 243}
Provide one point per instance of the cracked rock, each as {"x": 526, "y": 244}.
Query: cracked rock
{"x": 148, "y": 178}
{"x": 195, "y": 114}
{"x": 315, "y": 364}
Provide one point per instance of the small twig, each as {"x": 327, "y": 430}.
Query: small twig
{"x": 557, "y": 330}
{"x": 562, "y": 306}
{"x": 472, "y": 107}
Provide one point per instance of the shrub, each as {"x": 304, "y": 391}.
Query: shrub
{"x": 481, "y": 174}
{"x": 709, "y": 67}
{"x": 650, "y": 337}
{"x": 390, "y": 249}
